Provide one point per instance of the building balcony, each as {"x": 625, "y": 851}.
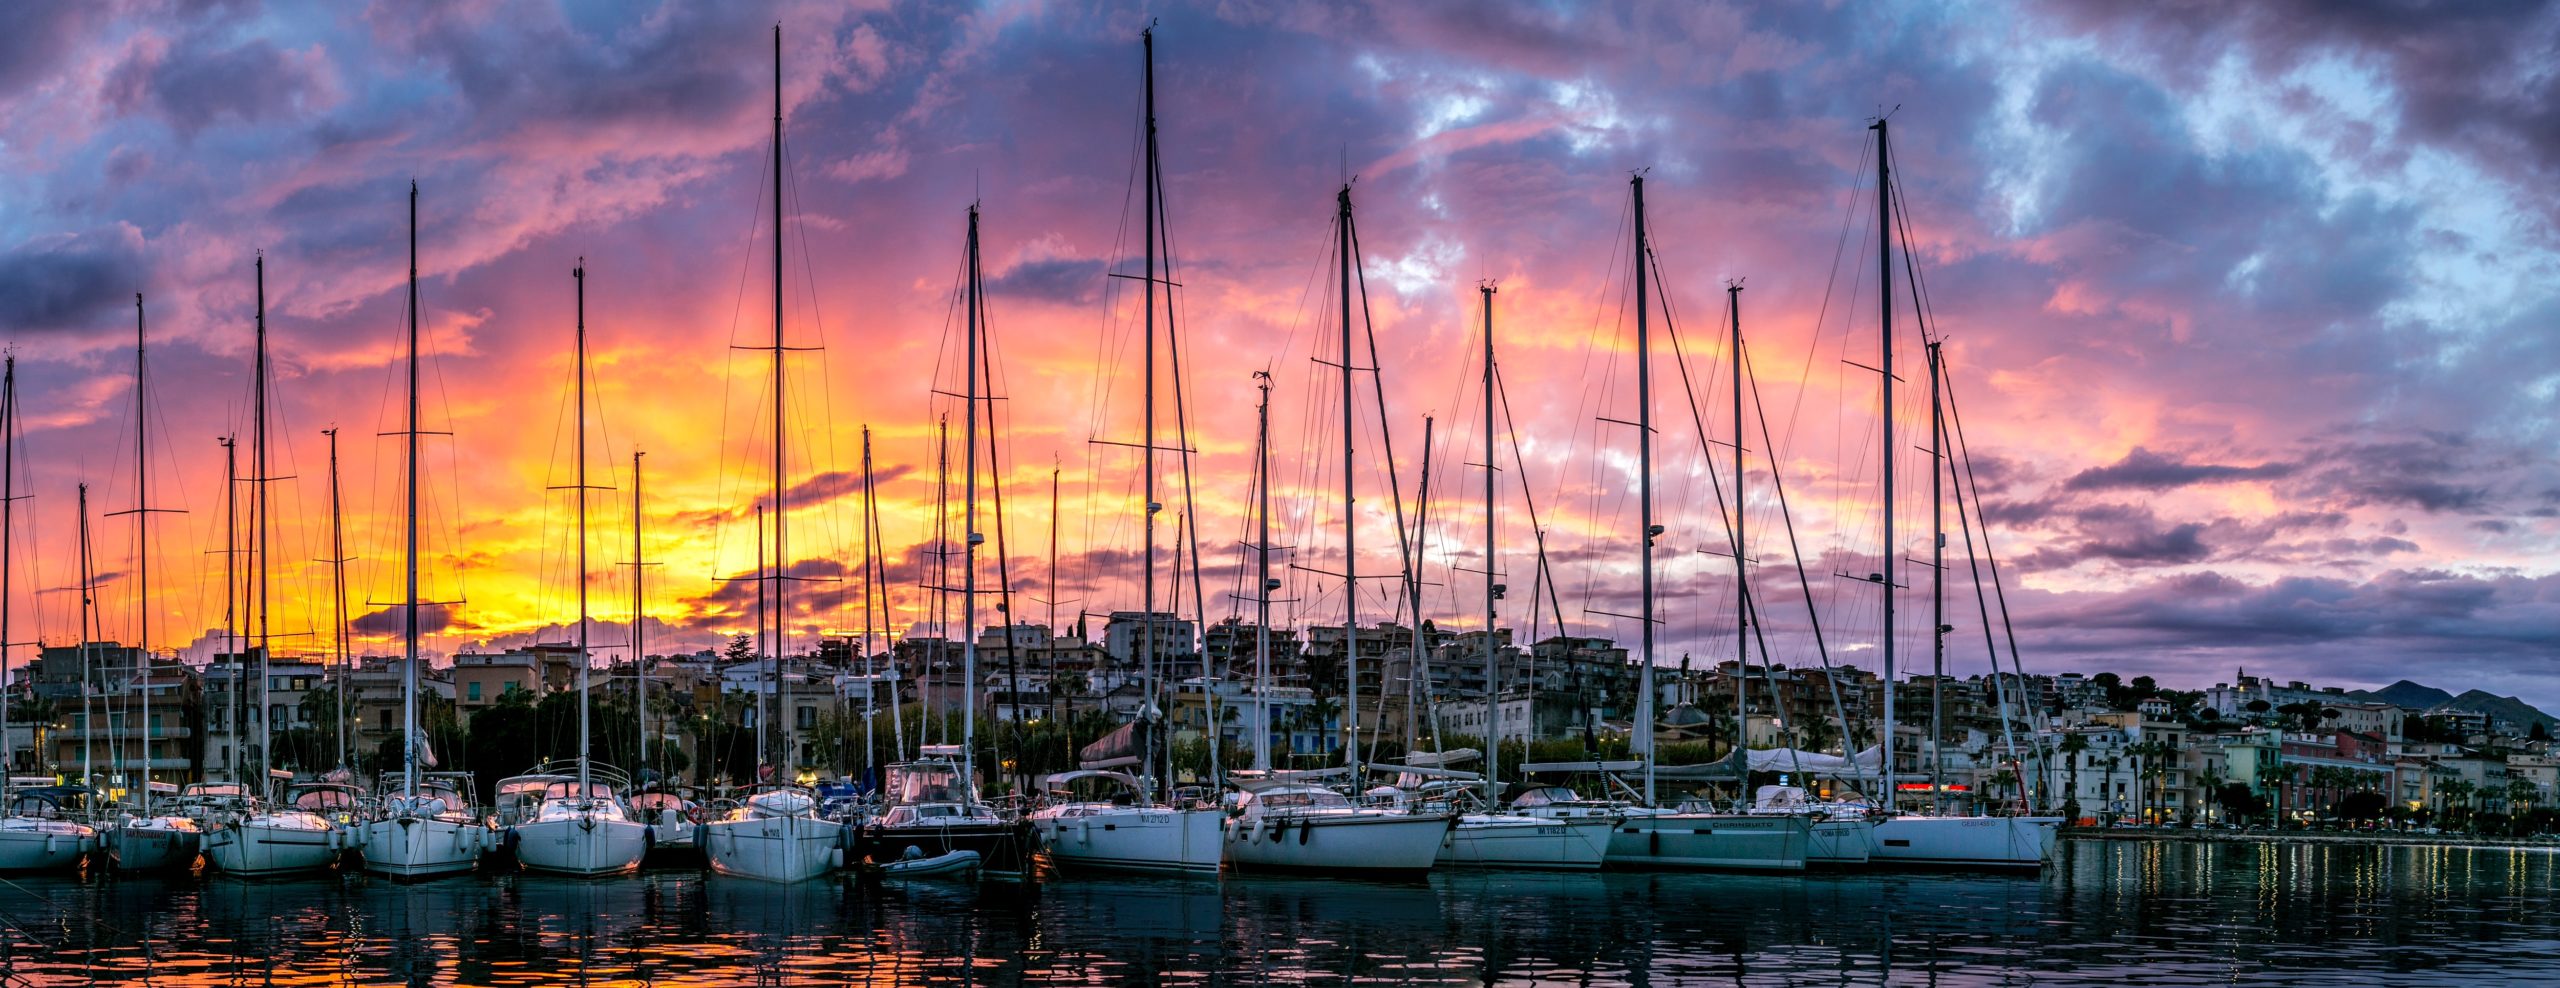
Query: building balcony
{"x": 125, "y": 733}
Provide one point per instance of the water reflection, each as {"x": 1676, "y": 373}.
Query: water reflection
{"x": 2130, "y": 913}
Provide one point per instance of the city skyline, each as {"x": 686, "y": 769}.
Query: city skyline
{"x": 2242, "y": 312}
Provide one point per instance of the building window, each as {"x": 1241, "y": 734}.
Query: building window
{"x": 807, "y": 718}
{"x": 509, "y": 687}
{"x": 475, "y": 691}
{"x": 382, "y": 718}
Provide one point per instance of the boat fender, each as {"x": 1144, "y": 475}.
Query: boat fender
{"x": 649, "y": 836}
{"x": 1279, "y": 829}
{"x": 1304, "y": 831}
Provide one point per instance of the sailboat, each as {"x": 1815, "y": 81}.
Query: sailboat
{"x": 777, "y": 833}
{"x": 582, "y": 826}
{"x": 1289, "y": 821}
{"x": 1490, "y": 837}
{"x": 932, "y": 805}
{"x": 147, "y": 841}
{"x": 309, "y": 830}
{"x": 424, "y": 826}
{"x": 1653, "y": 835}
{"x": 1840, "y": 835}
{"x": 1934, "y": 840}
{"x": 1116, "y": 822}
{"x": 32, "y": 837}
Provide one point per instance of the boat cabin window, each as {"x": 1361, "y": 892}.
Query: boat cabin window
{"x": 937, "y": 782}
{"x": 568, "y": 789}
{"x": 1302, "y": 799}
{"x": 324, "y": 799}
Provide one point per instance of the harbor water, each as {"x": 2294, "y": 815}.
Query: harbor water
{"x": 2125, "y": 913}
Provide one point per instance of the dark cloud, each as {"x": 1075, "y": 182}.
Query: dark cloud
{"x": 2404, "y": 611}
{"x": 2433, "y": 472}
{"x": 71, "y": 283}
{"x": 194, "y": 82}
{"x": 391, "y": 622}
{"x": 1064, "y": 280}
{"x": 2143, "y": 469}
{"x": 36, "y": 37}
{"x": 2472, "y": 78}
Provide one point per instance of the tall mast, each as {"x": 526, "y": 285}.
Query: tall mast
{"x": 870, "y": 587}
{"x": 8, "y": 543}
{"x": 969, "y": 535}
{"x": 1053, "y": 591}
{"x": 1417, "y": 692}
{"x": 1262, "y": 574}
{"x": 258, "y": 468}
{"x": 1492, "y": 590}
{"x": 928, "y": 717}
{"x": 1884, "y": 306}
{"x": 877, "y": 570}
{"x": 338, "y": 591}
{"x": 585, "y": 663}
{"x": 1350, "y": 530}
{"x": 409, "y": 678}
{"x": 88, "y": 658}
{"x": 1644, "y": 490}
{"x": 142, "y": 540}
{"x": 1938, "y": 590}
{"x": 1148, "y": 628}
{"x": 781, "y": 558}
{"x": 764, "y": 747}
{"x": 1742, "y": 615}
{"x": 639, "y": 656}
{"x": 231, "y": 603}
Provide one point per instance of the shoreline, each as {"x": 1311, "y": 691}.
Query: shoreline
{"x": 2308, "y": 837}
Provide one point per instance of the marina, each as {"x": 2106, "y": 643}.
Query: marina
{"x": 1335, "y": 493}
{"x": 2138, "y": 914}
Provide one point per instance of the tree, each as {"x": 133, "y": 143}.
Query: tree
{"x": 2107, "y": 785}
{"x": 501, "y": 741}
{"x": 2362, "y": 805}
{"x": 2237, "y": 799}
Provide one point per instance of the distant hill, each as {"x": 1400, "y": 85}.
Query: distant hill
{"x": 2507, "y": 708}
{"x": 2407, "y": 695}
{"x": 2419, "y": 698}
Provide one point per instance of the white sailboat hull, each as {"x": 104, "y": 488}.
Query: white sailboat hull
{"x": 1528, "y": 842}
{"x": 43, "y": 845}
{"x": 1362, "y": 843}
{"x": 253, "y": 848}
{"x": 1993, "y": 842}
{"x": 1137, "y": 839}
{"x": 1840, "y": 843}
{"x": 422, "y": 846}
{"x": 773, "y": 849}
{"x": 1710, "y": 841}
{"x": 153, "y": 845}
{"x": 586, "y": 847}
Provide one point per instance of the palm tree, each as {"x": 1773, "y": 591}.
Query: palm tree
{"x": 2520, "y": 795}
{"x": 2004, "y": 781}
{"x": 2107, "y": 784}
{"x": 2072, "y": 745}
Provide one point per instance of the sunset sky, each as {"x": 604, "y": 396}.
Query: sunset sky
{"x": 2250, "y": 310}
